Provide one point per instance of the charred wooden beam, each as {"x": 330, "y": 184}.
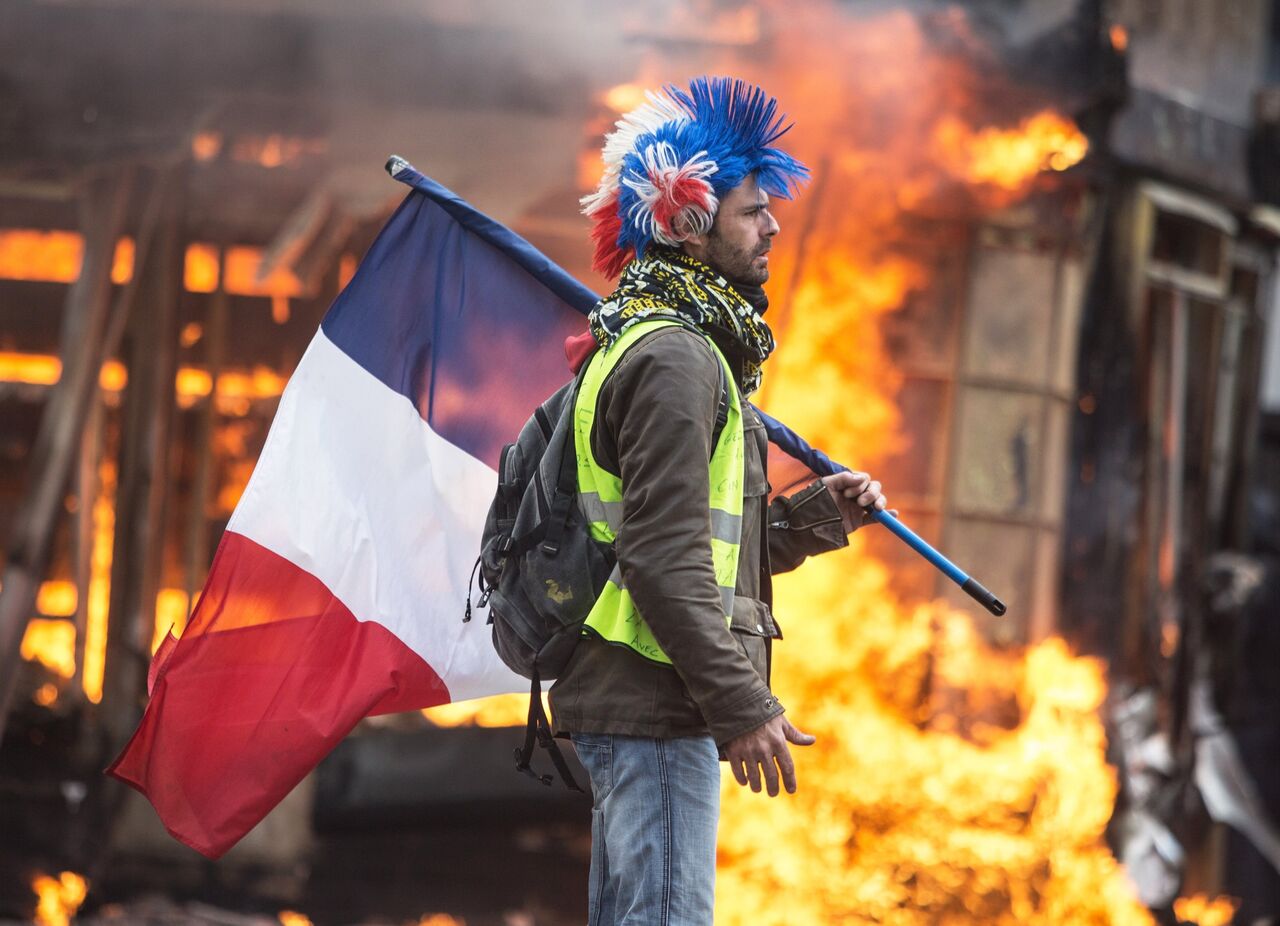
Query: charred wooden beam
{"x": 151, "y": 348}
{"x": 57, "y": 443}
{"x": 215, "y": 356}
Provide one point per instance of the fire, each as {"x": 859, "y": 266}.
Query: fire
{"x": 54, "y": 256}
{"x": 952, "y": 782}
{"x": 440, "y": 919}
{"x": 34, "y": 369}
{"x": 46, "y": 369}
{"x": 59, "y": 898}
{"x": 1201, "y": 910}
{"x": 1119, "y": 37}
{"x": 47, "y": 256}
{"x": 502, "y": 711}
{"x": 56, "y": 598}
{"x": 190, "y": 383}
{"x": 191, "y": 334}
{"x": 242, "y": 264}
{"x": 200, "y": 268}
{"x": 293, "y": 918}
{"x": 98, "y": 597}
{"x": 260, "y": 383}
{"x": 52, "y": 643}
{"x": 242, "y": 275}
{"x": 202, "y": 272}
{"x": 1007, "y": 158}
{"x": 205, "y": 146}
{"x": 122, "y": 261}
{"x": 624, "y": 97}
{"x": 347, "y": 264}
{"x": 276, "y": 150}
{"x": 171, "y": 615}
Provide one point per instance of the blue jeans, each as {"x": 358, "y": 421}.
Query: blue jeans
{"x": 653, "y": 828}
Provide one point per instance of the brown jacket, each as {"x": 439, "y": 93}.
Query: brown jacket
{"x": 655, "y": 419}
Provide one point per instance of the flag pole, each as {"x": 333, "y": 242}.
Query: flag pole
{"x": 823, "y": 465}
{"x": 581, "y": 299}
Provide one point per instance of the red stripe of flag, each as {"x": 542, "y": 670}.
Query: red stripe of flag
{"x": 272, "y": 665}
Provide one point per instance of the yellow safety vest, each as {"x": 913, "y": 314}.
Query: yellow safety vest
{"x": 614, "y": 616}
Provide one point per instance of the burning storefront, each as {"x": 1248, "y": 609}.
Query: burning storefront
{"x": 1028, "y": 286}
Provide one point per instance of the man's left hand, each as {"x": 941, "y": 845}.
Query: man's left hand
{"x": 856, "y": 495}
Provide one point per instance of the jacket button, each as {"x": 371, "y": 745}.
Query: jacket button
{"x": 768, "y": 702}
{"x": 759, "y": 628}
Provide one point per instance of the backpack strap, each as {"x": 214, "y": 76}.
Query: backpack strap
{"x": 722, "y": 409}
{"x": 551, "y": 529}
{"x": 538, "y": 730}
{"x": 566, "y": 493}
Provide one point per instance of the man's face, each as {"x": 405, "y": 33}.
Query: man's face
{"x": 738, "y": 244}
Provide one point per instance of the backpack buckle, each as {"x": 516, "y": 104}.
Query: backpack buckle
{"x": 522, "y": 765}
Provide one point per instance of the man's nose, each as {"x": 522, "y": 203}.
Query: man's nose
{"x": 773, "y": 228}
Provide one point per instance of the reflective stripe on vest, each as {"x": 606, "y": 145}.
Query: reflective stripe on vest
{"x": 614, "y": 616}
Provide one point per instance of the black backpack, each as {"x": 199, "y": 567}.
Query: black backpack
{"x": 540, "y": 569}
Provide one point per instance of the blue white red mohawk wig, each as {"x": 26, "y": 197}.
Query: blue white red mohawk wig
{"x": 671, "y": 159}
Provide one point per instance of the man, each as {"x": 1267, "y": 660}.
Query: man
{"x": 674, "y": 669}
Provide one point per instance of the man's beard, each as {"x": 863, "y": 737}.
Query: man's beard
{"x": 735, "y": 264}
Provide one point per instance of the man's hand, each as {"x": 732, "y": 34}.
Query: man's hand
{"x": 765, "y": 748}
{"x": 854, "y": 494}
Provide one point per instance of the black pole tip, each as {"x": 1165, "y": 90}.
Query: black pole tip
{"x": 975, "y": 590}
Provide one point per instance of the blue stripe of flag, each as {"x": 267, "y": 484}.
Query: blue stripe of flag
{"x": 460, "y": 315}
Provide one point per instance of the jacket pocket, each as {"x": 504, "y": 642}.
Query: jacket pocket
{"x": 751, "y": 616}
{"x": 752, "y": 625}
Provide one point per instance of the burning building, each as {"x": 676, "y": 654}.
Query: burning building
{"x": 1029, "y": 288}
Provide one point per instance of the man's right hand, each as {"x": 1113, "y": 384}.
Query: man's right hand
{"x": 765, "y": 748}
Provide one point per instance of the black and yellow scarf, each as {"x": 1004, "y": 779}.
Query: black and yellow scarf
{"x": 669, "y": 282}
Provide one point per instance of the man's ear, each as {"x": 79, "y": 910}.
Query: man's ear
{"x": 695, "y": 245}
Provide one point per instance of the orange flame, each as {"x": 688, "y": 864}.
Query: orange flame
{"x": 202, "y": 274}
{"x": 200, "y": 268}
{"x": 59, "y": 898}
{"x": 1119, "y": 36}
{"x": 98, "y": 597}
{"x": 347, "y": 264}
{"x": 47, "y": 256}
{"x": 55, "y": 256}
{"x": 276, "y": 150}
{"x": 190, "y": 383}
{"x": 52, "y": 643}
{"x": 1203, "y": 911}
{"x": 623, "y": 98}
{"x": 293, "y": 918}
{"x": 45, "y": 370}
{"x": 500, "y": 711}
{"x": 205, "y": 146}
{"x": 56, "y": 598}
{"x": 1009, "y": 158}
{"x": 952, "y": 782}
{"x": 171, "y": 615}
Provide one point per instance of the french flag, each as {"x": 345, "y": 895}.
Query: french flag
{"x": 338, "y": 589}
